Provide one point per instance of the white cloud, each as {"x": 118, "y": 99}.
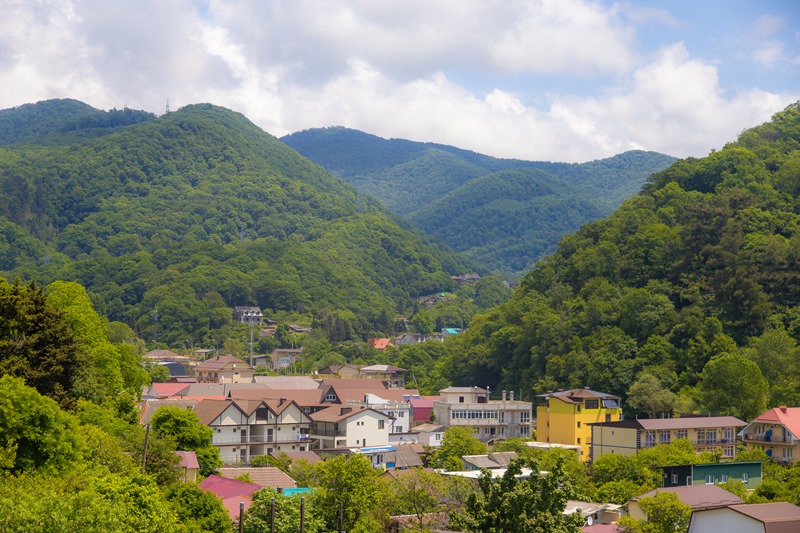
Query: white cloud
{"x": 395, "y": 69}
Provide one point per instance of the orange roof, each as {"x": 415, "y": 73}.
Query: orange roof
{"x": 380, "y": 343}
{"x": 788, "y": 417}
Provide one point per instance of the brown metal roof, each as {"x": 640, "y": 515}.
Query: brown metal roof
{"x": 698, "y": 497}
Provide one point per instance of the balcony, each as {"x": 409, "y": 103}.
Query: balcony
{"x": 262, "y": 439}
{"x": 767, "y": 439}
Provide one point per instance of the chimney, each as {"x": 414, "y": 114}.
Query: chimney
{"x": 511, "y": 396}
{"x": 345, "y": 410}
{"x": 504, "y": 395}
{"x": 281, "y": 401}
{"x": 783, "y": 409}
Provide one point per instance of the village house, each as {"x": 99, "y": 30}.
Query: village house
{"x": 775, "y": 517}
{"x": 698, "y": 497}
{"x": 776, "y": 432}
{"x": 247, "y": 315}
{"x": 350, "y": 427}
{"x": 748, "y": 473}
{"x": 244, "y": 429}
{"x": 224, "y": 369}
{"x": 492, "y": 419}
{"x": 563, "y": 417}
{"x": 706, "y": 433}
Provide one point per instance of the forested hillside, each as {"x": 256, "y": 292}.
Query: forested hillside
{"x": 430, "y": 182}
{"x": 688, "y": 295}
{"x": 192, "y": 213}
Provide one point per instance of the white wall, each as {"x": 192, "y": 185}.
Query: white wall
{"x": 723, "y": 520}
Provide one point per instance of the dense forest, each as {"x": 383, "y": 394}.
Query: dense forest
{"x": 195, "y": 212}
{"x": 687, "y": 297}
{"x": 502, "y": 213}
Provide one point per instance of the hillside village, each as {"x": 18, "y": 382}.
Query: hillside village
{"x": 368, "y": 411}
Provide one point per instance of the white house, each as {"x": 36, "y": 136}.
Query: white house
{"x": 244, "y": 429}
{"x": 430, "y": 434}
{"x": 747, "y": 518}
{"x": 350, "y": 427}
{"x": 491, "y": 419}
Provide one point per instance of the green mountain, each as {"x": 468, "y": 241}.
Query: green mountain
{"x": 193, "y": 212}
{"x": 436, "y": 185}
{"x": 696, "y": 282}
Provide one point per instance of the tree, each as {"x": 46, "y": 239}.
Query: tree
{"x": 348, "y": 480}
{"x": 417, "y": 491}
{"x": 665, "y": 514}
{"x": 183, "y": 425}
{"x": 36, "y": 343}
{"x": 733, "y": 385}
{"x": 194, "y": 505}
{"x": 647, "y": 395}
{"x": 457, "y": 442}
{"x": 287, "y": 513}
{"x": 523, "y": 505}
{"x": 35, "y": 435}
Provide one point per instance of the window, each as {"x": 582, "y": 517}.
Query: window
{"x": 729, "y": 451}
{"x": 399, "y": 429}
{"x": 682, "y": 434}
{"x": 608, "y": 418}
{"x": 701, "y": 436}
{"x": 729, "y": 435}
{"x": 401, "y": 414}
{"x": 663, "y": 437}
{"x": 579, "y": 423}
{"x": 723, "y": 478}
{"x": 674, "y": 479}
{"x": 524, "y": 417}
{"x": 711, "y": 436}
{"x": 787, "y": 453}
{"x": 578, "y": 407}
{"x": 579, "y": 441}
{"x": 437, "y": 436}
{"x": 592, "y": 404}
{"x": 330, "y": 397}
{"x": 710, "y": 479}
{"x": 745, "y": 477}
{"x": 460, "y": 399}
{"x": 380, "y": 424}
{"x": 650, "y": 439}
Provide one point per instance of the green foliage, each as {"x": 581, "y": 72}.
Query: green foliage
{"x": 194, "y": 505}
{"x": 287, "y": 513}
{"x": 665, "y": 514}
{"x": 457, "y": 442}
{"x": 183, "y": 425}
{"x": 35, "y": 435}
{"x": 502, "y": 213}
{"x": 703, "y": 263}
{"x": 36, "y": 343}
{"x": 195, "y": 212}
{"x": 348, "y": 480}
{"x": 511, "y": 504}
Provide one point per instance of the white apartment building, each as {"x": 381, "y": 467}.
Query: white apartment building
{"x": 492, "y": 419}
{"x": 350, "y": 427}
{"x": 244, "y": 429}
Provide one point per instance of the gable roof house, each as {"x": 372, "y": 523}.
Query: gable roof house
{"x": 244, "y": 429}
{"x": 350, "y": 427}
{"x": 777, "y": 432}
{"x": 776, "y": 517}
{"x": 698, "y": 497}
{"x": 224, "y": 369}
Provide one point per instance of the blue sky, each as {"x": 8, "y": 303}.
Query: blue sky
{"x": 558, "y": 80}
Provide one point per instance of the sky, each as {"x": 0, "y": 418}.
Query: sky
{"x": 550, "y": 80}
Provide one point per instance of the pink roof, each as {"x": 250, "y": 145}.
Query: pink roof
{"x": 188, "y": 459}
{"x": 789, "y": 417}
{"x": 164, "y": 390}
{"x": 231, "y": 491}
{"x": 602, "y": 528}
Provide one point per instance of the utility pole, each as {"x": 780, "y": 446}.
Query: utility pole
{"x": 155, "y": 326}
{"x": 144, "y": 451}
{"x": 251, "y": 343}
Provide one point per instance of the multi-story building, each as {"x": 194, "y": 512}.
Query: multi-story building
{"x": 492, "y": 419}
{"x": 706, "y": 433}
{"x": 350, "y": 427}
{"x": 563, "y": 417}
{"x": 247, "y": 315}
{"x": 776, "y": 432}
{"x": 244, "y": 429}
{"x": 224, "y": 369}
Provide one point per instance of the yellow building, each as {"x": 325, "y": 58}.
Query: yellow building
{"x": 563, "y": 417}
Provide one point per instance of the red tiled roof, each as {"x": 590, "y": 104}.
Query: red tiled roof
{"x": 789, "y": 417}
{"x": 188, "y": 459}
{"x": 266, "y": 476}
{"x": 232, "y": 491}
